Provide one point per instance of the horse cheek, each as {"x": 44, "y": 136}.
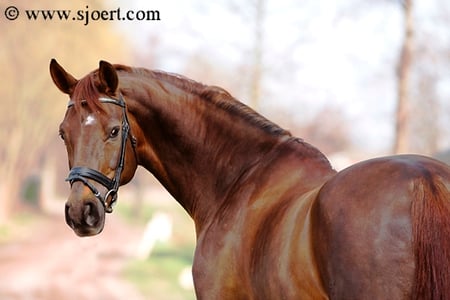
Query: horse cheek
{"x": 113, "y": 162}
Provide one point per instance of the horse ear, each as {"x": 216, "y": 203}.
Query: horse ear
{"x": 63, "y": 80}
{"x": 108, "y": 77}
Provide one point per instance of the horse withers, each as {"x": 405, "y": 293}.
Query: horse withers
{"x": 273, "y": 219}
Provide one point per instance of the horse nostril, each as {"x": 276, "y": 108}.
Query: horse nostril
{"x": 69, "y": 220}
{"x": 90, "y": 214}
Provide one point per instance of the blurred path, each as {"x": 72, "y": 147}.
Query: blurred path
{"x": 55, "y": 264}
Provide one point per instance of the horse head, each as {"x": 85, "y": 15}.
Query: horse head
{"x": 100, "y": 148}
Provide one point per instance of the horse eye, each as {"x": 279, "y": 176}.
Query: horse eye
{"x": 114, "y": 132}
{"x": 61, "y": 135}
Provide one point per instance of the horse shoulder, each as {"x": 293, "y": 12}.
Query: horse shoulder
{"x": 262, "y": 250}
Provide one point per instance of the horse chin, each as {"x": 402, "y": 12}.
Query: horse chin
{"x": 87, "y": 231}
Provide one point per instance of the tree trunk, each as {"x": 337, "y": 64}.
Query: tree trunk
{"x": 257, "y": 68}
{"x": 403, "y": 78}
{"x": 9, "y": 188}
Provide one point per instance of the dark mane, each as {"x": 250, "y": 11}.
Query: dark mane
{"x": 218, "y": 96}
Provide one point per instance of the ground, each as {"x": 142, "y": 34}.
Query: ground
{"x": 50, "y": 262}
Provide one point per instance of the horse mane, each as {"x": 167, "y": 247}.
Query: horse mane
{"x": 223, "y": 100}
{"x": 217, "y": 96}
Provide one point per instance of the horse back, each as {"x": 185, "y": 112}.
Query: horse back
{"x": 363, "y": 226}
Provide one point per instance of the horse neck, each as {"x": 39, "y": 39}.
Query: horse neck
{"x": 198, "y": 151}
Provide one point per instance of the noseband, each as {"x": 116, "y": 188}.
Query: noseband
{"x": 84, "y": 174}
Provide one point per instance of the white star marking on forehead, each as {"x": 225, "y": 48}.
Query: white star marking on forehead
{"x": 89, "y": 120}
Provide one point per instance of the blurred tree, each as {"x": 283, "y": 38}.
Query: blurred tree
{"x": 430, "y": 111}
{"x": 333, "y": 133}
{"x": 401, "y": 144}
{"x": 258, "y": 50}
{"x": 423, "y": 54}
{"x": 422, "y": 123}
{"x": 425, "y": 107}
{"x": 30, "y": 115}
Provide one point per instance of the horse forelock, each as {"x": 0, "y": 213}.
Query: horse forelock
{"x": 86, "y": 93}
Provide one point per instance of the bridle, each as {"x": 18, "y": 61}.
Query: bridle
{"x": 84, "y": 174}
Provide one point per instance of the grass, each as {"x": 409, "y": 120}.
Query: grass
{"x": 18, "y": 227}
{"x": 158, "y": 276}
{"x": 127, "y": 213}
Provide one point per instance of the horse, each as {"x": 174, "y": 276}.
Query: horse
{"x": 273, "y": 219}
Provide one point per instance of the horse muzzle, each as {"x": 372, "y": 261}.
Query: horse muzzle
{"x": 84, "y": 213}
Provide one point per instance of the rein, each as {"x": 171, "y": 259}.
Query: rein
{"x": 84, "y": 174}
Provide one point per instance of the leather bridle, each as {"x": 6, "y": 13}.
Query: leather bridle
{"x": 84, "y": 174}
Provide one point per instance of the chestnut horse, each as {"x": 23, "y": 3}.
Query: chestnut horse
{"x": 273, "y": 219}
